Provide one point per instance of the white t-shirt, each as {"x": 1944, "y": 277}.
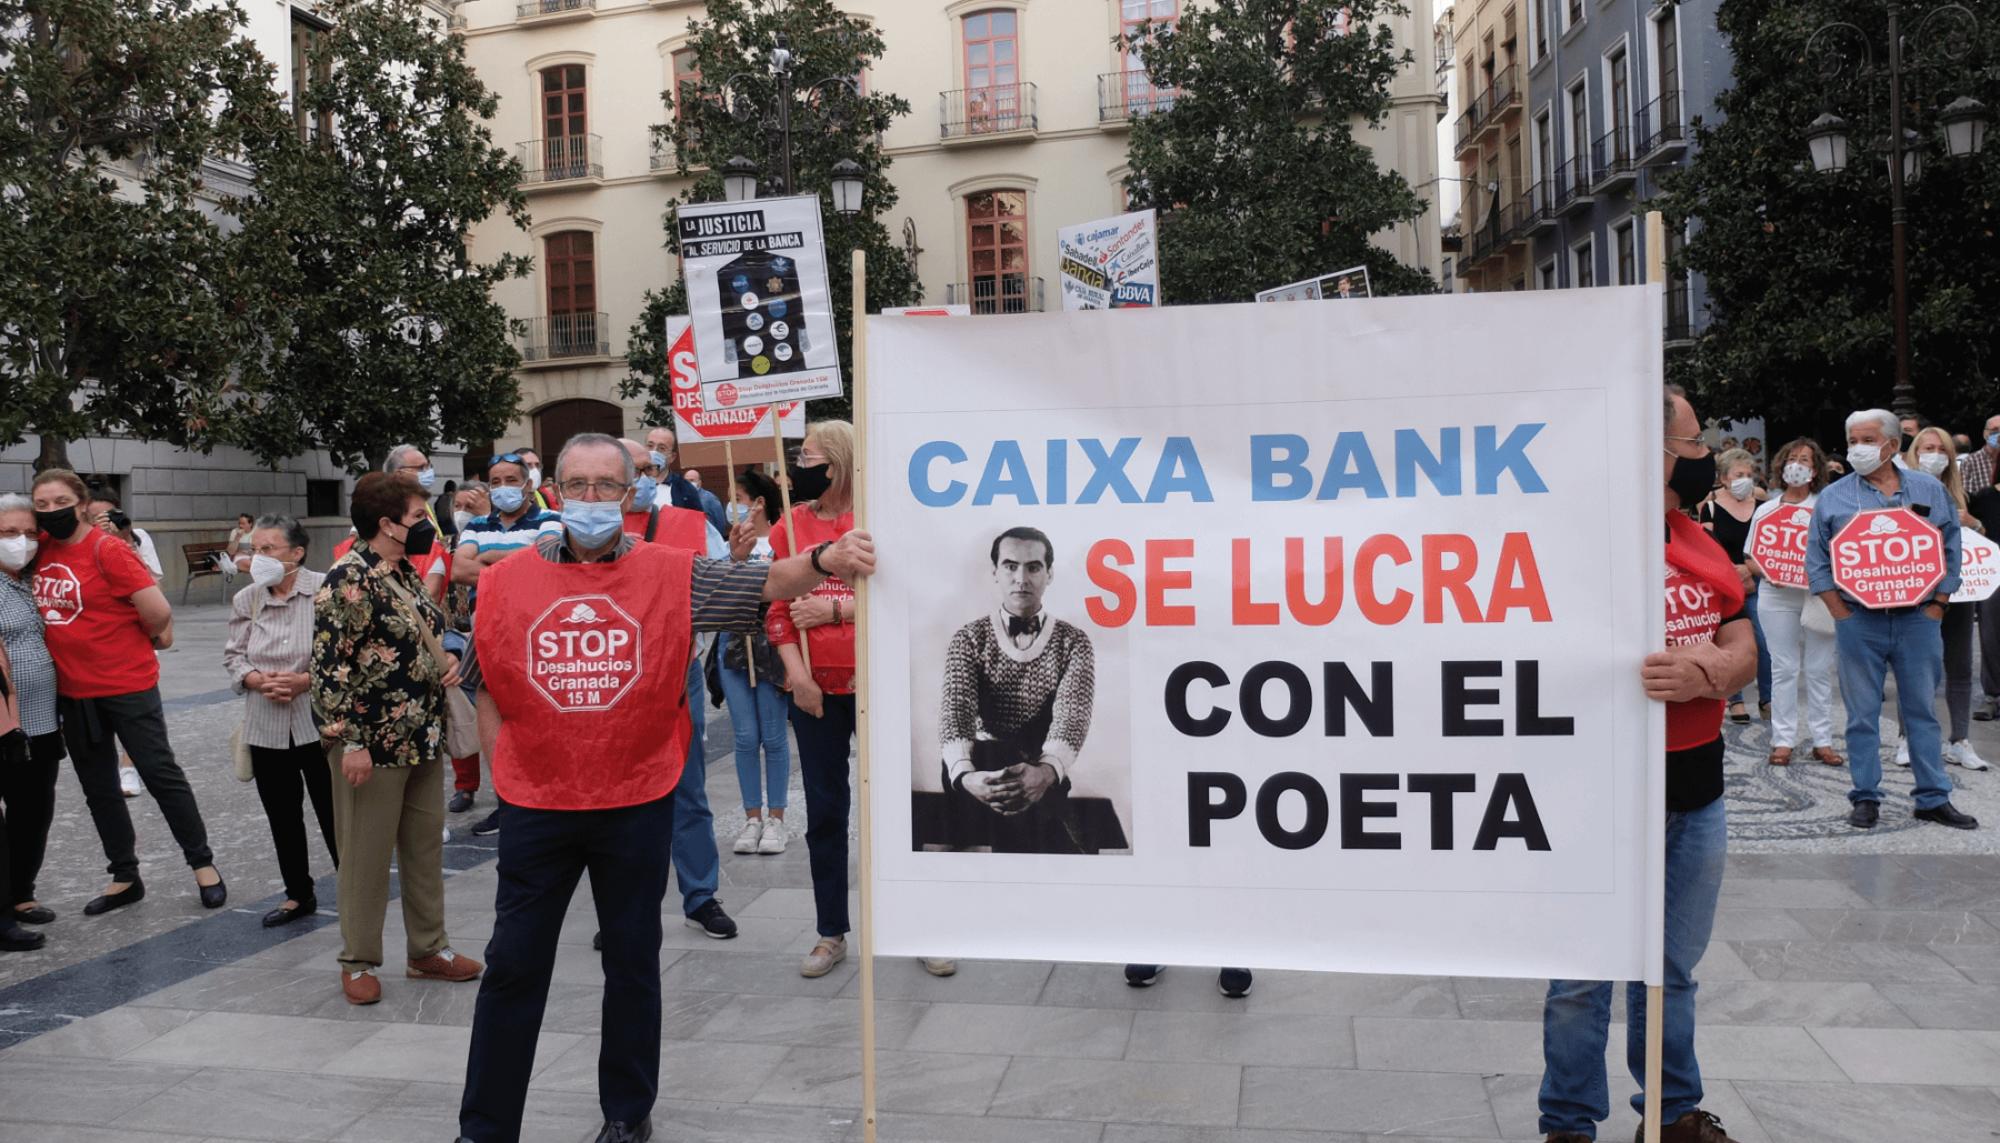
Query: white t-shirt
{"x": 148, "y": 554}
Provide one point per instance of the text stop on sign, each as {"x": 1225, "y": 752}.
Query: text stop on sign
{"x": 1890, "y": 557}
{"x": 584, "y": 653}
{"x": 1778, "y": 544}
{"x": 728, "y": 421}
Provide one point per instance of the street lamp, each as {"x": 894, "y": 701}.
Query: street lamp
{"x": 739, "y": 179}
{"x": 1943, "y": 39}
{"x": 826, "y": 103}
{"x": 847, "y": 187}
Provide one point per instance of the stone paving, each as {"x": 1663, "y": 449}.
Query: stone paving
{"x": 1852, "y": 993}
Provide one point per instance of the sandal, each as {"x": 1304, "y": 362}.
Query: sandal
{"x": 1825, "y": 754}
{"x": 1737, "y": 714}
{"x": 1782, "y": 756}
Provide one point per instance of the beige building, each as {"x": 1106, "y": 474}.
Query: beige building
{"x": 1487, "y": 139}
{"x": 1018, "y": 128}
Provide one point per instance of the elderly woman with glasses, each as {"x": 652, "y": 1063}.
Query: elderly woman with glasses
{"x": 32, "y": 751}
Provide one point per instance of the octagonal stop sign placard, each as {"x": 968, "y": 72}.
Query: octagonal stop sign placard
{"x": 1889, "y": 557}
{"x": 584, "y": 653}
{"x": 1778, "y": 544}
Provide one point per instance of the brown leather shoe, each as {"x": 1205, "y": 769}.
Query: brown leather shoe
{"x": 1826, "y": 754}
{"x": 361, "y": 987}
{"x": 1695, "y": 1127}
{"x": 446, "y": 965}
{"x": 1782, "y": 756}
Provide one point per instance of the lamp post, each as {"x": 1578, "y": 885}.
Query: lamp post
{"x": 829, "y": 100}
{"x": 1942, "y": 39}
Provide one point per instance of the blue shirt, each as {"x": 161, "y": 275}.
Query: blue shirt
{"x": 1841, "y": 500}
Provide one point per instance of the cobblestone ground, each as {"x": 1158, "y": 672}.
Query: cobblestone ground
{"x": 1852, "y": 993}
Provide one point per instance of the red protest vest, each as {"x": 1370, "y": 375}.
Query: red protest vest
{"x": 1702, "y": 590}
{"x": 682, "y": 528}
{"x": 583, "y": 660}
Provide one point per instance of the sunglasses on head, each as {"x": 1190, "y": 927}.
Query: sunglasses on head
{"x": 507, "y": 458}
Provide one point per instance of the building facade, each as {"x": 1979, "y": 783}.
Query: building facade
{"x": 1019, "y": 123}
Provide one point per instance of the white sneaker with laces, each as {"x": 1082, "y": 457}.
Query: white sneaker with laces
{"x": 1902, "y": 751}
{"x": 1961, "y": 753}
{"x": 748, "y": 837}
{"x": 774, "y": 836}
{"x": 129, "y": 783}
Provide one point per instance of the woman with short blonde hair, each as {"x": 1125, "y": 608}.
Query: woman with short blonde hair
{"x": 1933, "y": 453}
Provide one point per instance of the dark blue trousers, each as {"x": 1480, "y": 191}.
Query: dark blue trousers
{"x": 543, "y": 853}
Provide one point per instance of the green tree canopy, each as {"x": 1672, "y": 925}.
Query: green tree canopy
{"x": 731, "y": 112}
{"x": 1798, "y": 263}
{"x": 380, "y": 323}
{"x": 1255, "y": 165}
{"x": 126, "y": 299}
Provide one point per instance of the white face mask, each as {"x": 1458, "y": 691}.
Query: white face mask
{"x": 535, "y": 476}
{"x": 16, "y": 551}
{"x": 1864, "y": 458}
{"x": 1742, "y": 487}
{"x": 267, "y": 571}
{"x": 1797, "y": 474}
{"x": 1933, "y": 463}
{"x": 461, "y": 518}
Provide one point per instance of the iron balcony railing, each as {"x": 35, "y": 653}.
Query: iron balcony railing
{"x": 563, "y": 158}
{"x": 1502, "y": 93}
{"x": 970, "y": 112}
{"x": 530, "y": 9}
{"x": 560, "y": 336}
{"x": 1005, "y": 294}
{"x": 1572, "y": 183}
{"x": 1123, "y": 95}
{"x": 1611, "y": 155}
{"x": 1660, "y": 124}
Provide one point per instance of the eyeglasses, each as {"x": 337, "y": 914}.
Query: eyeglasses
{"x": 1700, "y": 445}
{"x": 605, "y": 489}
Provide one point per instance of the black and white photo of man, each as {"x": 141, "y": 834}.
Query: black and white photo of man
{"x": 1018, "y": 689}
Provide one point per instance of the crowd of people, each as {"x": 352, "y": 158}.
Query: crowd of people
{"x": 362, "y": 683}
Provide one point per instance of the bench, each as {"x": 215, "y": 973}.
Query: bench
{"x": 201, "y": 561}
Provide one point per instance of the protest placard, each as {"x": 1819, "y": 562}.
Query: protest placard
{"x": 1110, "y": 264}
{"x": 695, "y": 421}
{"x": 1887, "y": 558}
{"x": 1340, "y": 285}
{"x": 1978, "y": 570}
{"x": 757, "y": 292}
{"x": 1337, "y": 670}
{"x": 1778, "y": 544}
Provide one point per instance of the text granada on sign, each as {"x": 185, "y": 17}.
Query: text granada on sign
{"x": 1778, "y": 545}
{"x": 1886, "y": 558}
{"x": 584, "y": 653}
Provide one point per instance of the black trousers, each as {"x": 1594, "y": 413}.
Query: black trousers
{"x": 28, "y": 769}
{"x": 543, "y": 853}
{"x": 283, "y": 776}
{"x": 1989, "y": 646}
{"x": 94, "y": 729}
{"x": 823, "y": 747}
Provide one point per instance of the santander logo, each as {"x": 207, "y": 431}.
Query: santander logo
{"x": 58, "y": 594}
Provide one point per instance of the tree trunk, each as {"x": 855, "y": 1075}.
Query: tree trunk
{"x": 54, "y": 454}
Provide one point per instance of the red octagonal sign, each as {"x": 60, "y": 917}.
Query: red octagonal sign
{"x": 584, "y": 653}
{"x": 1890, "y": 557}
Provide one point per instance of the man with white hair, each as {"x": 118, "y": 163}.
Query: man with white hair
{"x": 1907, "y": 640}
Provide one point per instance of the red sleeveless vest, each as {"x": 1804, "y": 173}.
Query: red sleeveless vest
{"x": 682, "y": 528}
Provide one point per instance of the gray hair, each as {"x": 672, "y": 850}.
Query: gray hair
{"x": 478, "y": 486}
{"x": 594, "y": 440}
{"x": 1671, "y": 391}
{"x": 394, "y": 460}
{"x": 295, "y": 532}
{"x": 1730, "y": 458}
{"x": 15, "y": 502}
{"x": 1891, "y": 427}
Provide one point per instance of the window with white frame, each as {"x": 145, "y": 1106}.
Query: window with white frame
{"x": 1578, "y": 149}
{"x": 1583, "y": 264}
{"x": 1625, "y": 253}
{"x": 1545, "y": 275}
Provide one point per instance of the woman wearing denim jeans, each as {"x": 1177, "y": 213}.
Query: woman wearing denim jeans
{"x": 1710, "y": 653}
{"x": 757, "y": 710}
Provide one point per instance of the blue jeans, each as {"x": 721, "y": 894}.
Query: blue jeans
{"x": 757, "y": 715}
{"x": 1763, "y": 654}
{"x": 1576, "y": 1018}
{"x": 823, "y": 747}
{"x": 697, "y": 864}
{"x": 1871, "y": 644}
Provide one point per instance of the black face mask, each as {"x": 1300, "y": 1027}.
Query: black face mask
{"x": 1692, "y": 478}
{"x": 417, "y": 541}
{"x": 59, "y": 523}
{"x": 810, "y": 483}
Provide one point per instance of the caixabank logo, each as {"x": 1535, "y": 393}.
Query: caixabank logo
{"x": 584, "y": 653}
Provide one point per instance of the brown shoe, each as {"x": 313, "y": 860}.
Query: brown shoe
{"x": 446, "y": 965}
{"x": 1694, "y": 1127}
{"x": 1782, "y": 756}
{"x": 361, "y": 987}
{"x": 1825, "y": 754}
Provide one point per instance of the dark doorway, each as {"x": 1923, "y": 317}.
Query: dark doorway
{"x": 556, "y": 423}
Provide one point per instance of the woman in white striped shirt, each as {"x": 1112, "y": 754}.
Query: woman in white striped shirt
{"x": 268, "y": 657}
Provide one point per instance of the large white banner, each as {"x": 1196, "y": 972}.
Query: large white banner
{"x": 1113, "y": 263}
{"x": 757, "y": 291}
{"x": 1273, "y": 636}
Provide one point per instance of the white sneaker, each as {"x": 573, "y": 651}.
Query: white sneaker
{"x": 940, "y": 966}
{"x": 1902, "y": 751}
{"x": 1961, "y": 753}
{"x": 748, "y": 837}
{"x": 774, "y": 836}
{"x": 128, "y": 781}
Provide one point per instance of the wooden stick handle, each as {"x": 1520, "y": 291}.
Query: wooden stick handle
{"x": 865, "y": 820}
{"x": 791, "y": 525}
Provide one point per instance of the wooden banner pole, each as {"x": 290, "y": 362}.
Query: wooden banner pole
{"x": 791, "y": 526}
{"x": 729, "y": 469}
{"x": 864, "y": 797}
{"x": 1656, "y": 1007}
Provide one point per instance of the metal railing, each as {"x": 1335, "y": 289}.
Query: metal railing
{"x": 560, "y": 159}
{"x": 1123, "y": 95}
{"x": 1573, "y": 183}
{"x": 1503, "y": 92}
{"x": 1660, "y": 123}
{"x": 1005, "y": 294}
{"x": 970, "y": 112}
{"x": 560, "y": 336}
{"x": 1611, "y": 154}
{"x": 530, "y": 9}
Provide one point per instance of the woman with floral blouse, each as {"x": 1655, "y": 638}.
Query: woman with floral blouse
{"x": 378, "y": 685}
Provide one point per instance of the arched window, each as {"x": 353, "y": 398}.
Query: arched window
{"x": 997, "y": 243}
{"x": 565, "y": 122}
{"x": 569, "y": 266}
{"x": 992, "y": 71}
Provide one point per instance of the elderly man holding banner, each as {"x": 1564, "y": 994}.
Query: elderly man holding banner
{"x": 1711, "y": 652}
{"x": 582, "y": 650}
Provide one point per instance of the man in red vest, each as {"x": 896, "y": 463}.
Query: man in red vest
{"x": 581, "y": 650}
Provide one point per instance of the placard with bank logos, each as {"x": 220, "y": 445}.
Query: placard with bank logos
{"x": 757, "y": 291}
{"x": 1271, "y": 636}
{"x": 1113, "y": 263}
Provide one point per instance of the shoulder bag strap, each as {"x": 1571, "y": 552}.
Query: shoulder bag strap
{"x": 416, "y": 610}
{"x": 652, "y": 522}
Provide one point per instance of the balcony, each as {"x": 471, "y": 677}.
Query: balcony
{"x": 554, "y": 11}
{"x": 1008, "y": 294}
{"x": 1680, "y": 317}
{"x": 571, "y": 158}
{"x": 1662, "y": 134}
{"x": 1125, "y": 95}
{"x": 1611, "y": 156}
{"x": 566, "y": 337}
{"x": 1541, "y": 208}
{"x": 661, "y": 159}
{"x": 1573, "y": 189}
{"x": 982, "y": 114}
{"x": 1483, "y": 113}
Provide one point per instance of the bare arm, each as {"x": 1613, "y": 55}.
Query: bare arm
{"x": 851, "y": 557}
{"x": 466, "y": 565}
{"x": 156, "y": 615}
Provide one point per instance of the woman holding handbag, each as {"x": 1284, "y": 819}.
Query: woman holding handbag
{"x": 379, "y": 677}
{"x": 267, "y": 656}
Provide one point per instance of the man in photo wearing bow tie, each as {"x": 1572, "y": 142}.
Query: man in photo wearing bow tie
{"x": 1018, "y": 688}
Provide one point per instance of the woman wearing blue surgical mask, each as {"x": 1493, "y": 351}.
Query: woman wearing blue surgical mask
{"x": 1726, "y": 516}
{"x": 1932, "y": 452}
{"x": 757, "y": 710}
{"x": 269, "y": 660}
